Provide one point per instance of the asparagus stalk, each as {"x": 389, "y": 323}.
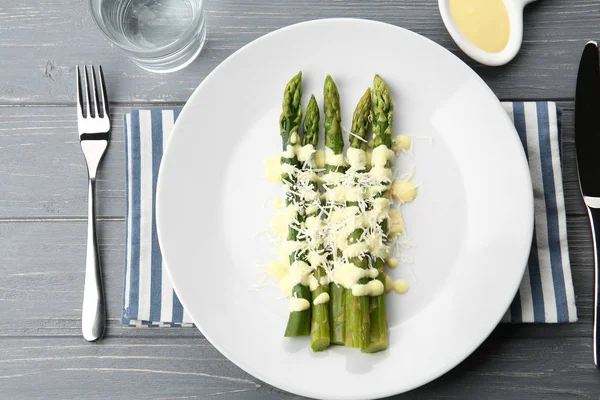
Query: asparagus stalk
{"x": 289, "y": 122}
{"x": 382, "y": 115}
{"x": 357, "y": 308}
{"x": 319, "y": 331}
{"x": 334, "y": 140}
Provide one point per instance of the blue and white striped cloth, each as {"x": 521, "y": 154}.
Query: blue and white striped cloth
{"x": 148, "y": 296}
{"x": 546, "y": 292}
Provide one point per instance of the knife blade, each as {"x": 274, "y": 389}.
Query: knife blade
{"x": 587, "y": 121}
{"x": 587, "y": 146}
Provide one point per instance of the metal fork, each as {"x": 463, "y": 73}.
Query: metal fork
{"x": 94, "y": 127}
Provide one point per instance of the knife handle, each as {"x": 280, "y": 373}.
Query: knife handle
{"x": 594, "y": 214}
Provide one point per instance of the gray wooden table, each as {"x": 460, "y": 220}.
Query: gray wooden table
{"x": 43, "y": 207}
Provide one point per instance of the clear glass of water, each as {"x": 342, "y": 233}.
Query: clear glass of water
{"x": 158, "y": 35}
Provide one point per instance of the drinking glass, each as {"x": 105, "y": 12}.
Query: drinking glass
{"x": 158, "y": 35}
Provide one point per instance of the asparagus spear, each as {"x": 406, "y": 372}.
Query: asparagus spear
{"x": 334, "y": 140}
{"x": 357, "y": 308}
{"x": 319, "y": 331}
{"x": 382, "y": 115}
{"x": 291, "y": 114}
{"x": 289, "y": 122}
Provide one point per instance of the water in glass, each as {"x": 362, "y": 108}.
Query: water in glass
{"x": 158, "y": 35}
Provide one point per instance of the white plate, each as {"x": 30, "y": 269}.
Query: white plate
{"x": 472, "y": 221}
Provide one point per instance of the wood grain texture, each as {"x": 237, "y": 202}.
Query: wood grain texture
{"x": 182, "y": 368}
{"x": 47, "y": 136}
{"x": 55, "y": 36}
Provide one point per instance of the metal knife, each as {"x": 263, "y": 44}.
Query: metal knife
{"x": 587, "y": 143}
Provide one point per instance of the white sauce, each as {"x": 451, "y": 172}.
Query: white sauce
{"x": 297, "y": 305}
{"x": 278, "y": 204}
{"x": 337, "y": 160}
{"x": 290, "y": 151}
{"x": 312, "y": 210}
{"x": 376, "y": 244}
{"x": 287, "y": 247}
{"x": 401, "y": 286}
{"x": 381, "y": 174}
{"x": 389, "y": 284}
{"x": 273, "y": 169}
{"x": 336, "y": 194}
{"x": 401, "y": 143}
{"x": 395, "y": 224}
{"x": 315, "y": 259}
{"x": 282, "y": 219}
{"x": 357, "y": 159}
{"x": 313, "y": 283}
{"x": 404, "y": 191}
{"x": 333, "y": 178}
{"x": 348, "y": 274}
{"x": 321, "y": 299}
{"x": 356, "y": 249}
{"x": 299, "y": 272}
{"x": 353, "y": 193}
{"x": 343, "y": 214}
{"x": 377, "y": 189}
{"x": 294, "y": 139}
{"x": 371, "y": 288}
{"x": 278, "y": 269}
{"x": 381, "y": 156}
{"x": 305, "y": 153}
{"x": 353, "y": 223}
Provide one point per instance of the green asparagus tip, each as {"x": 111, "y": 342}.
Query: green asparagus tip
{"x": 291, "y": 114}
{"x": 311, "y": 123}
{"x": 361, "y": 122}
{"x": 382, "y": 113}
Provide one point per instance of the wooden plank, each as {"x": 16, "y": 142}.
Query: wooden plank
{"x": 42, "y": 270}
{"x": 41, "y": 278}
{"x": 116, "y": 368}
{"x": 47, "y": 136}
{"x": 64, "y": 34}
{"x": 43, "y": 173}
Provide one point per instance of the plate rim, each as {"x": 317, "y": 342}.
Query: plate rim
{"x": 530, "y": 212}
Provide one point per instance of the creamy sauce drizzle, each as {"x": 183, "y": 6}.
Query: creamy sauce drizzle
{"x": 327, "y": 222}
{"x": 485, "y": 23}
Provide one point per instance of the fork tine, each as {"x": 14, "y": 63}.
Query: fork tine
{"x": 94, "y": 93}
{"x": 103, "y": 92}
{"x": 79, "y": 94}
{"x": 88, "y": 99}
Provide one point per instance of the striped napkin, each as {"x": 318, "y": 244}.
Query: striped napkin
{"x": 546, "y": 292}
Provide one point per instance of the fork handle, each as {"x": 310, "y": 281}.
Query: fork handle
{"x": 93, "y": 317}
